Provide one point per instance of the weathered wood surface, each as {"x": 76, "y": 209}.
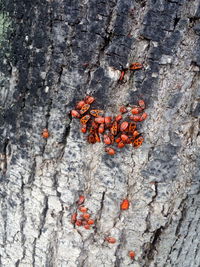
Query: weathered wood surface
{"x": 44, "y": 46}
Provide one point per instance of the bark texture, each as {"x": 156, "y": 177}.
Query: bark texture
{"x": 55, "y": 52}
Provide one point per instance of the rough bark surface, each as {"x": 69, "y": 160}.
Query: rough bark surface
{"x": 45, "y": 46}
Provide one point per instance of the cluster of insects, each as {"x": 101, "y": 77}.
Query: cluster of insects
{"x": 82, "y": 217}
{"x": 115, "y": 131}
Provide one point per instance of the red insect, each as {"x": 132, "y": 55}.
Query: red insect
{"x": 129, "y": 140}
{"x": 118, "y": 117}
{"x": 123, "y": 109}
{"x": 136, "y": 110}
{"x": 110, "y": 239}
{"x": 75, "y": 113}
{"x": 81, "y": 200}
{"x": 96, "y": 112}
{"x": 123, "y": 126}
{"x": 84, "y": 129}
{"x": 86, "y": 216}
{"x": 122, "y": 75}
{"x": 84, "y": 222}
{"x": 124, "y": 205}
{"x": 132, "y": 127}
{"x": 99, "y": 120}
{"x": 94, "y": 127}
{"x": 135, "y": 118}
{"x": 80, "y": 104}
{"x": 91, "y": 139}
{"x": 101, "y": 128}
{"x": 121, "y": 144}
{"x": 45, "y": 133}
{"x": 78, "y": 222}
{"x": 141, "y": 103}
{"x": 89, "y": 99}
{"x": 83, "y": 209}
{"x": 73, "y": 218}
{"x": 136, "y": 66}
{"x": 108, "y": 122}
{"x": 90, "y": 221}
{"x": 138, "y": 142}
{"x": 85, "y": 119}
{"x": 124, "y": 137}
{"x": 143, "y": 117}
{"x": 106, "y": 139}
{"x": 135, "y": 134}
{"x": 114, "y": 128}
{"x": 110, "y": 150}
{"x": 97, "y": 138}
{"x": 131, "y": 254}
{"x": 118, "y": 139}
{"x": 112, "y": 138}
{"x": 84, "y": 109}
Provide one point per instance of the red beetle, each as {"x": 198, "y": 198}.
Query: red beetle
{"x": 122, "y": 75}
{"x": 143, "y": 117}
{"x": 83, "y": 209}
{"x": 99, "y": 120}
{"x": 118, "y": 139}
{"x": 84, "y": 109}
{"x": 80, "y": 104}
{"x": 110, "y": 150}
{"x": 45, "y": 133}
{"x": 89, "y": 99}
{"x": 84, "y": 128}
{"x": 106, "y": 139}
{"x": 141, "y": 103}
{"x": 97, "y": 137}
{"x": 101, "y": 128}
{"x": 121, "y": 144}
{"x": 118, "y": 117}
{"x": 135, "y": 118}
{"x": 96, "y": 112}
{"x": 81, "y": 200}
{"x": 136, "y": 110}
{"x": 91, "y": 139}
{"x": 114, "y": 128}
{"x": 138, "y": 142}
{"x": 124, "y": 137}
{"x": 123, "y": 126}
{"x": 123, "y": 109}
{"x": 110, "y": 239}
{"x": 135, "y": 66}
{"x": 78, "y": 222}
{"x": 87, "y": 227}
{"x": 131, "y": 254}
{"x": 124, "y": 205}
{"x": 86, "y": 216}
{"x": 85, "y": 119}
{"x": 75, "y": 113}
{"x": 73, "y": 218}
{"x": 90, "y": 221}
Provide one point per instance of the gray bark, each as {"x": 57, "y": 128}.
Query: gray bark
{"x": 45, "y": 46}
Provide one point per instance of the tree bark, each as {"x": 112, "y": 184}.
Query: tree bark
{"x": 55, "y": 52}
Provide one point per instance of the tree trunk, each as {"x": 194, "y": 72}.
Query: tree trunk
{"x": 54, "y": 53}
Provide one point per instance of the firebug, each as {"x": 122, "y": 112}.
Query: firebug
{"x": 124, "y": 205}
{"x": 75, "y": 113}
{"x": 84, "y": 109}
